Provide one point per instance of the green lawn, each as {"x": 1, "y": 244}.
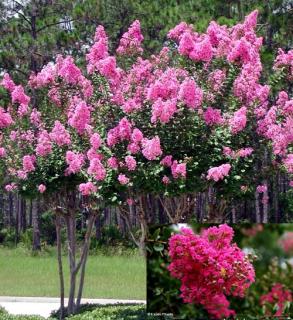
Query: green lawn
{"x": 120, "y": 277}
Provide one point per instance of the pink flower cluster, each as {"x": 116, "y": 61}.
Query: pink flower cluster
{"x": 178, "y": 170}
{"x": 130, "y": 42}
{"x": 28, "y": 163}
{"x": 262, "y": 188}
{"x": 97, "y": 170}
{"x": 42, "y": 188}
{"x": 79, "y": 116}
{"x": 59, "y": 134}
{"x": 284, "y": 59}
{"x": 5, "y": 119}
{"x": 121, "y": 132}
{"x": 190, "y": 94}
{"x": 286, "y": 242}
{"x": 151, "y": 148}
{"x": 75, "y": 162}
{"x": 44, "y": 144}
{"x": 212, "y": 116}
{"x": 219, "y": 173}
{"x": 242, "y": 153}
{"x": 210, "y": 268}
{"x": 278, "y": 295}
{"x": 87, "y": 188}
{"x": 238, "y": 121}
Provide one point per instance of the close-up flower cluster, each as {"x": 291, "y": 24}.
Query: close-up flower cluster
{"x": 210, "y": 268}
{"x": 201, "y": 271}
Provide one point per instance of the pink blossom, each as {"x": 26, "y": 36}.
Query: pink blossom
{"x": 178, "y": 31}
{"x": 60, "y": 135}
{"x": 35, "y": 117}
{"x": 136, "y": 135}
{"x": 190, "y": 94}
{"x": 97, "y": 169}
{"x": 10, "y": 187}
{"x": 238, "y": 121}
{"x": 87, "y": 188}
{"x": 99, "y": 50}
{"x": 151, "y": 148}
{"x": 28, "y": 163}
{"x": 119, "y": 133}
{"x": 167, "y": 161}
{"x": 262, "y": 188}
{"x": 96, "y": 141}
{"x": 210, "y": 268}
{"x": 245, "y": 152}
{"x": 212, "y": 116}
{"x": 228, "y": 152}
{"x": 288, "y": 162}
{"x": 178, "y": 170}
{"x": 130, "y": 201}
{"x": 45, "y": 77}
{"x": 42, "y": 188}
{"x": 2, "y": 152}
{"x": 130, "y": 163}
{"x": 93, "y": 154}
{"x": 44, "y": 144}
{"x": 163, "y": 110}
{"x": 244, "y": 188}
{"x": 67, "y": 70}
{"x": 130, "y": 42}
{"x": 166, "y": 180}
{"x": 7, "y": 83}
{"x": 79, "y": 116}
{"x": 113, "y": 163}
{"x": 5, "y": 119}
{"x": 202, "y": 51}
{"x": 278, "y": 295}
{"x": 218, "y": 173}
{"x": 216, "y": 79}
{"x": 133, "y": 148}
{"x": 123, "y": 179}
{"x": 75, "y": 162}
{"x": 19, "y": 96}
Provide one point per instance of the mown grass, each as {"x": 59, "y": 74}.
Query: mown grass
{"x": 117, "y": 277}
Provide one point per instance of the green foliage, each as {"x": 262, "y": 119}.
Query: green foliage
{"x": 92, "y": 312}
{"x": 8, "y": 237}
{"x": 109, "y": 312}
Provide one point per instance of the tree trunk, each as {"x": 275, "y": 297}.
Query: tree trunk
{"x": 84, "y": 256}
{"x": 60, "y": 266}
{"x": 36, "y": 229}
{"x": 265, "y": 204}
{"x": 71, "y": 234}
{"x": 257, "y": 209}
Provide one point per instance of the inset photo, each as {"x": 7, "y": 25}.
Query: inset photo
{"x": 205, "y": 271}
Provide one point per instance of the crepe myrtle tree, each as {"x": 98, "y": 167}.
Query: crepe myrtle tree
{"x": 44, "y": 150}
{"x": 199, "y": 116}
{"x": 132, "y": 129}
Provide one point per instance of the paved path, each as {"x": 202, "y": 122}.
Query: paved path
{"x": 44, "y": 306}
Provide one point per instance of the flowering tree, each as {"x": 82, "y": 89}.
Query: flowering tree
{"x": 131, "y": 130}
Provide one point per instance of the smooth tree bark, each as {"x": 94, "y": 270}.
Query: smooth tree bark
{"x": 66, "y": 206}
{"x": 36, "y": 228}
{"x": 58, "y": 225}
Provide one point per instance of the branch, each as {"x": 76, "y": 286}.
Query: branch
{"x": 54, "y": 24}
{"x": 24, "y": 17}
